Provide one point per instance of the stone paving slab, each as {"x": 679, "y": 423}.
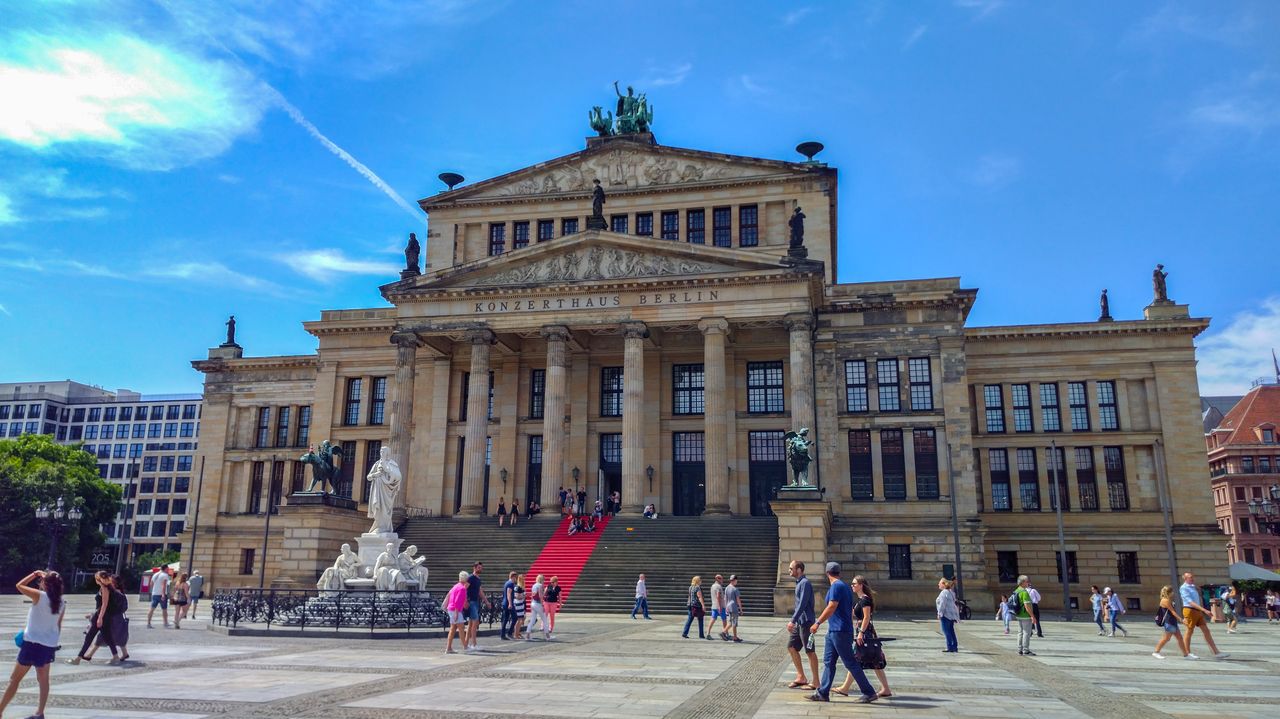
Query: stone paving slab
{"x": 214, "y": 683}
{"x": 559, "y": 697}
{"x": 71, "y": 713}
{"x": 339, "y": 658}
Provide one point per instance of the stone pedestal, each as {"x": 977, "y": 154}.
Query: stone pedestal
{"x": 1166, "y": 311}
{"x": 373, "y": 544}
{"x": 804, "y": 522}
{"x": 313, "y": 534}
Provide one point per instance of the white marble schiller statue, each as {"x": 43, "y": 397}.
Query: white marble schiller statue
{"x": 412, "y": 569}
{"x": 384, "y": 485}
{"x": 346, "y": 566}
{"x": 386, "y": 571}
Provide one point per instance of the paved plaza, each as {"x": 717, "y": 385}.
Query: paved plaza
{"x": 606, "y": 666}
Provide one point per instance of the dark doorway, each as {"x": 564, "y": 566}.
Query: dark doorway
{"x": 610, "y": 466}
{"x": 461, "y": 469}
{"x": 768, "y": 469}
{"x": 533, "y": 473}
{"x": 689, "y": 474}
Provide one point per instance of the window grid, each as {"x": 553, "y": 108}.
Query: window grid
{"x": 766, "y": 446}
{"x": 764, "y": 387}
{"x": 887, "y": 387}
{"x": 264, "y": 428}
{"x": 568, "y": 226}
{"x": 925, "y": 446}
{"x": 721, "y": 232}
{"x": 372, "y": 449}
{"x": 670, "y": 225}
{"x": 520, "y": 234}
{"x": 378, "y": 400}
{"x": 282, "y": 427}
{"x": 537, "y": 393}
{"x": 1108, "y": 420}
{"x": 899, "y": 561}
{"x": 619, "y": 223}
{"x": 1049, "y": 416}
{"x": 1127, "y": 567}
{"x": 497, "y": 238}
{"x": 998, "y": 459}
{"x": 690, "y": 447}
{"x": 1028, "y": 480}
{"x": 696, "y": 226}
{"x": 1117, "y": 490}
{"x": 351, "y": 417}
{"x": 255, "y": 488}
{"x": 893, "y": 463}
{"x": 644, "y": 224}
{"x": 1073, "y": 571}
{"x": 611, "y": 389}
{"x": 611, "y": 448}
{"x": 861, "y": 485}
{"x": 1021, "y": 397}
{"x": 303, "y": 438}
{"x": 687, "y": 385}
{"x": 1007, "y": 566}
{"x": 1056, "y": 465}
{"x": 546, "y": 230}
{"x": 855, "y": 386}
{"x": 1078, "y": 403}
{"x": 748, "y": 226}
{"x": 921, "y": 383}
{"x": 993, "y": 401}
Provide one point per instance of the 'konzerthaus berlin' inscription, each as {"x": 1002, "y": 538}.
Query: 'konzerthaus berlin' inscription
{"x": 578, "y": 302}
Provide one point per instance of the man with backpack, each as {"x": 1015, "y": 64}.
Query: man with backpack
{"x": 1020, "y": 606}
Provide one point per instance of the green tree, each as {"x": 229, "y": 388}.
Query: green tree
{"x": 35, "y": 470}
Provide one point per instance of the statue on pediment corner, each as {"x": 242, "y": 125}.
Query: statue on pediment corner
{"x": 602, "y": 125}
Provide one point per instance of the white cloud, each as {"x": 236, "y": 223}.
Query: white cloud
{"x": 229, "y": 179}
{"x": 142, "y": 105}
{"x": 1233, "y": 357}
{"x": 1241, "y": 112}
{"x": 7, "y": 216}
{"x": 325, "y": 264}
{"x": 796, "y": 15}
{"x": 212, "y": 273}
{"x": 5, "y": 310}
{"x": 915, "y": 36}
{"x": 980, "y": 8}
{"x": 662, "y": 77}
{"x": 746, "y": 82}
{"x": 996, "y": 170}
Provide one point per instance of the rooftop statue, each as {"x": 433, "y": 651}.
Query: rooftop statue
{"x": 1158, "y": 284}
{"x": 633, "y": 115}
{"x": 602, "y": 124}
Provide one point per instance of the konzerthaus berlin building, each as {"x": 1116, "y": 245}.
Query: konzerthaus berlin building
{"x": 665, "y": 355}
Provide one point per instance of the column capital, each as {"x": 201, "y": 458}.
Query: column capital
{"x": 405, "y": 339}
{"x": 713, "y": 326}
{"x": 798, "y": 321}
{"x": 555, "y": 333}
{"x": 634, "y": 329}
{"x": 480, "y": 336}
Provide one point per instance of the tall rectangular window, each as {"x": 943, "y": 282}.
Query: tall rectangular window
{"x": 173, "y": 411}
{"x": 671, "y": 225}
{"x": 899, "y": 561}
{"x": 1049, "y": 413}
{"x": 721, "y": 232}
{"x": 108, "y": 414}
{"x": 764, "y": 387}
{"x": 611, "y": 389}
{"x": 748, "y": 226}
{"x": 1117, "y": 490}
{"x": 533, "y": 468}
{"x": 1028, "y": 480}
{"x": 687, "y": 383}
{"x": 696, "y": 226}
{"x": 1073, "y": 570}
{"x": 255, "y": 487}
{"x": 264, "y": 428}
{"x": 1127, "y": 567}
{"x": 1078, "y": 403}
{"x": 246, "y": 561}
{"x": 925, "y": 446}
{"x": 855, "y": 385}
{"x": 1108, "y": 420}
{"x": 568, "y": 226}
{"x": 644, "y": 224}
{"x": 519, "y": 234}
{"x": 860, "y": 461}
{"x": 497, "y": 238}
{"x": 351, "y": 417}
{"x": 372, "y": 453}
{"x": 303, "y": 438}
{"x": 893, "y": 462}
{"x": 378, "y": 400}
{"x": 1056, "y": 463}
{"x": 887, "y": 385}
{"x": 537, "y": 393}
{"x": 1007, "y": 566}
{"x": 1001, "y": 499}
{"x": 546, "y": 230}
{"x": 618, "y": 224}
{"x": 1021, "y": 396}
{"x": 282, "y": 426}
{"x": 919, "y": 375}
{"x": 276, "y": 489}
{"x": 347, "y": 472}
{"x": 993, "y": 401}
{"x": 299, "y": 473}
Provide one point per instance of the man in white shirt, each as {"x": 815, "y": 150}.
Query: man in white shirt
{"x": 159, "y": 595}
{"x": 642, "y": 599}
{"x": 1035, "y": 610}
{"x": 718, "y": 610}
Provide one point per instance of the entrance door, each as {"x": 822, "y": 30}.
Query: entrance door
{"x": 768, "y": 469}
{"x": 533, "y": 473}
{"x": 610, "y": 477}
{"x": 689, "y": 474}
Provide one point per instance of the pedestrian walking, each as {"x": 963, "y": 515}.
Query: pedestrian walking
{"x": 839, "y": 642}
{"x": 1167, "y": 619}
{"x": 1231, "y": 607}
{"x": 502, "y": 511}
{"x": 1273, "y": 606}
{"x": 733, "y": 605}
{"x": 948, "y": 613}
{"x": 1021, "y": 605}
{"x": 1003, "y": 613}
{"x": 197, "y": 591}
{"x": 455, "y": 603}
{"x": 1035, "y": 610}
{"x": 696, "y": 607}
{"x": 717, "y": 609}
{"x": 1097, "y": 600}
{"x": 101, "y": 622}
{"x": 867, "y": 648}
{"x": 553, "y": 603}
{"x": 521, "y": 607}
{"x": 508, "y": 607}
{"x": 582, "y": 502}
{"x": 117, "y": 608}
{"x": 1116, "y": 608}
{"x": 475, "y": 597}
{"x": 515, "y": 510}
{"x": 802, "y": 619}
{"x": 537, "y": 608}
{"x": 564, "y": 501}
{"x": 181, "y": 598}
{"x": 40, "y": 638}
{"x": 160, "y": 595}
{"x": 1194, "y": 614}
{"x": 642, "y": 599}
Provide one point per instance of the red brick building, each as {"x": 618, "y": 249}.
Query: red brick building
{"x": 1244, "y": 463}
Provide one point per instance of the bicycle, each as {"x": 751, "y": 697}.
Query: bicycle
{"x": 965, "y": 612}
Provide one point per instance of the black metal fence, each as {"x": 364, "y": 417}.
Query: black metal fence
{"x": 321, "y": 609}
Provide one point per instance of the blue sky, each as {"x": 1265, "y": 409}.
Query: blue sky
{"x": 164, "y": 164}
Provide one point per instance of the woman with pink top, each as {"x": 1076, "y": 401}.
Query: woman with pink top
{"x": 455, "y": 603}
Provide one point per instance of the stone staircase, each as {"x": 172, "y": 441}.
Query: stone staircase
{"x": 453, "y": 545}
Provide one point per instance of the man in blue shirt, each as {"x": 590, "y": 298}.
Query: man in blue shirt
{"x": 1193, "y": 614}
{"x": 839, "y": 641}
{"x": 802, "y": 619}
{"x": 509, "y": 607}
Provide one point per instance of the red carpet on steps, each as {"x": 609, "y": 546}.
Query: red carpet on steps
{"x": 564, "y": 556}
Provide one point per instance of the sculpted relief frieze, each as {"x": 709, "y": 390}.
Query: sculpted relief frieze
{"x": 623, "y": 169}
{"x": 598, "y": 263}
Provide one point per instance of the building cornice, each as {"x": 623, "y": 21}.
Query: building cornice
{"x": 256, "y": 363}
{"x": 1190, "y": 327}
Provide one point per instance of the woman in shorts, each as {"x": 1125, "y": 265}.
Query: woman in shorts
{"x": 1167, "y": 616}
{"x": 181, "y": 598}
{"x": 41, "y": 636}
{"x": 455, "y": 604}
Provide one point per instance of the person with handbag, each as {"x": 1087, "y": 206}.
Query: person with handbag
{"x": 1167, "y": 619}
{"x": 867, "y": 649}
{"x": 839, "y": 642}
{"x": 697, "y": 609}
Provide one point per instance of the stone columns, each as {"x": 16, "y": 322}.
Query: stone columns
{"x": 633, "y": 477}
{"x": 553, "y": 412}
{"x": 407, "y": 344}
{"x": 800, "y": 327}
{"x": 714, "y": 331}
{"x": 481, "y": 340}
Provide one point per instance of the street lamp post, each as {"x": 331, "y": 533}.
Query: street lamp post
{"x": 59, "y": 515}
{"x": 266, "y": 527}
{"x": 1267, "y": 512}
{"x": 1063, "y": 572}
{"x": 125, "y": 524}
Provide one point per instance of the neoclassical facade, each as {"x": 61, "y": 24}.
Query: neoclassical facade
{"x": 662, "y": 351}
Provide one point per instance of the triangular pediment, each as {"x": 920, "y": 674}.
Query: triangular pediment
{"x": 622, "y": 165}
{"x": 593, "y": 256}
